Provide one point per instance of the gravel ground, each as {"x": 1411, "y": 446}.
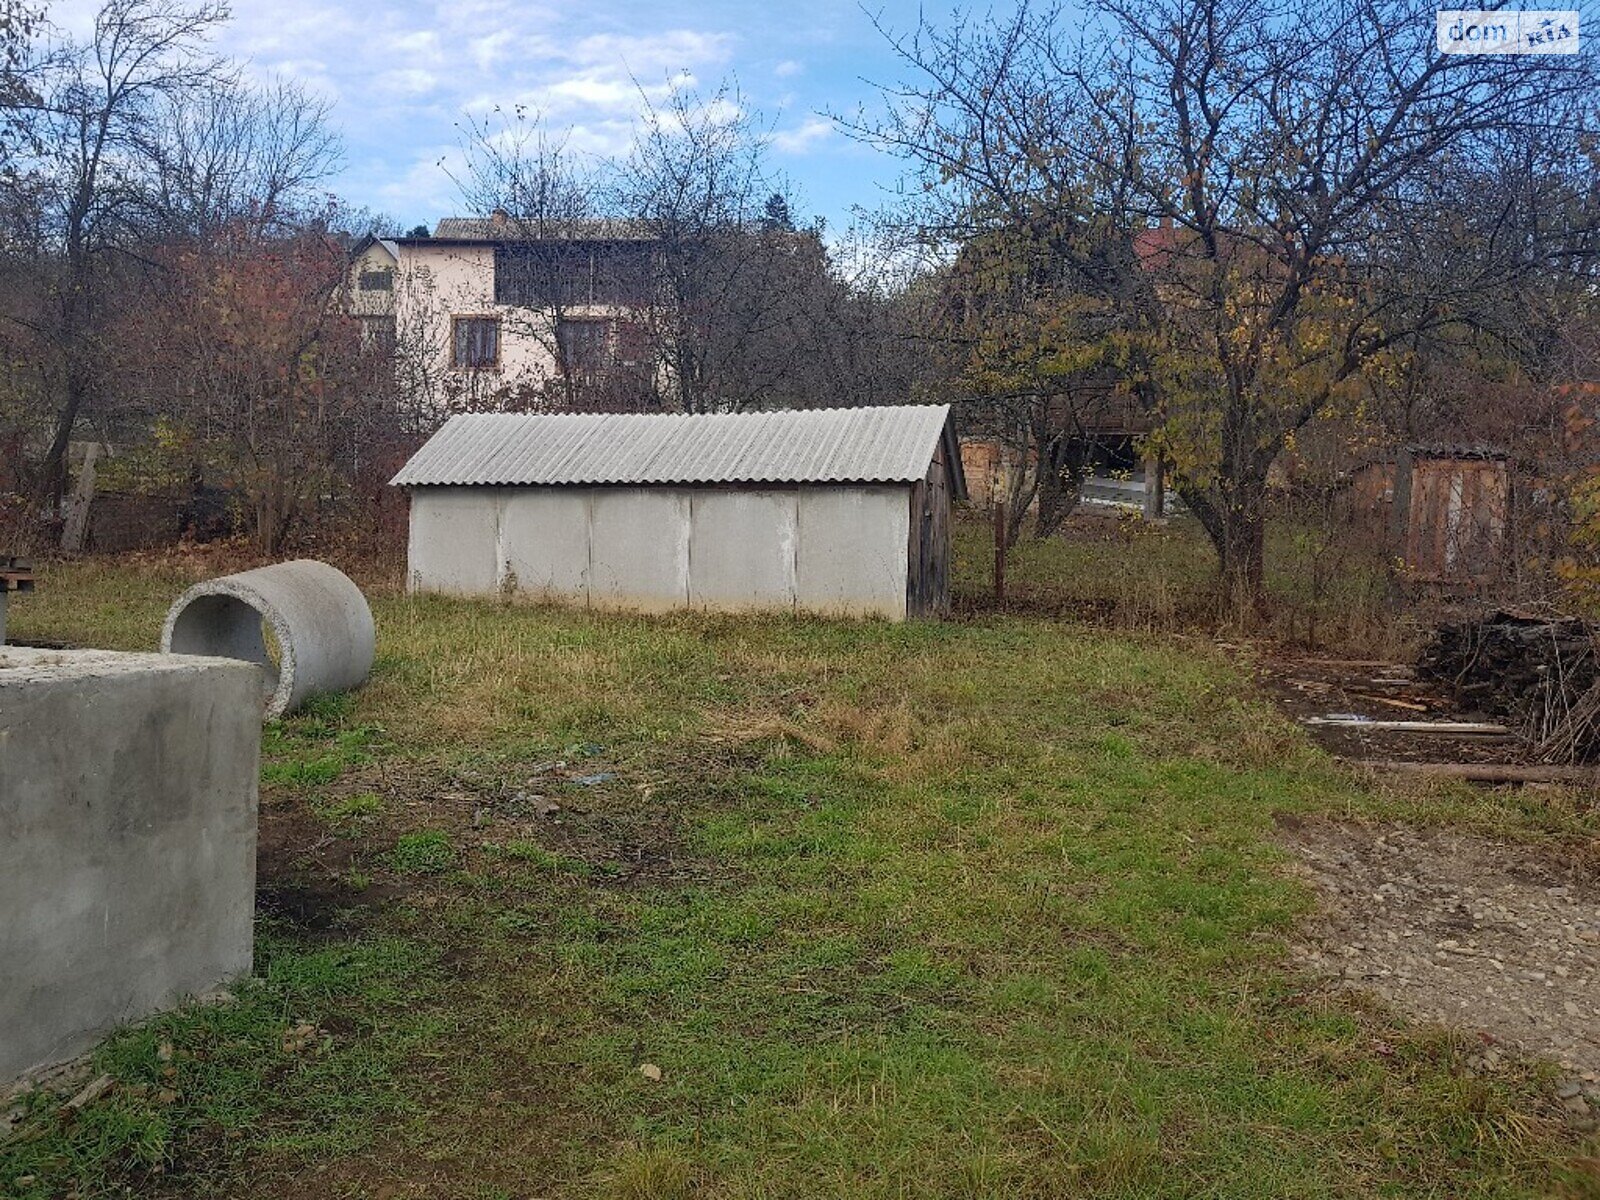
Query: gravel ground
{"x": 1463, "y": 931}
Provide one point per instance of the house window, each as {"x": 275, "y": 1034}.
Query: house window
{"x": 585, "y": 347}
{"x": 377, "y": 333}
{"x": 375, "y": 281}
{"x": 622, "y": 273}
{"x": 475, "y": 343}
{"x": 634, "y": 348}
{"x": 558, "y": 274}
{"x": 606, "y": 363}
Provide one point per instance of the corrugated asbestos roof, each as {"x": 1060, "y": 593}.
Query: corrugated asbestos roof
{"x": 512, "y": 229}
{"x": 825, "y": 445}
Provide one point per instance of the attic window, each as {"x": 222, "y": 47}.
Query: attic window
{"x": 376, "y": 281}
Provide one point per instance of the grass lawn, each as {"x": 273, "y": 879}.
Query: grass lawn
{"x": 987, "y": 908}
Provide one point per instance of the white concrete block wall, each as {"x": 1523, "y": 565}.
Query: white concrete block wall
{"x": 852, "y": 551}
{"x": 544, "y": 542}
{"x": 639, "y": 548}
{"x": 742, "y": 547}
{"x": 836, "y": 550}
{"x": 454, "y": 541}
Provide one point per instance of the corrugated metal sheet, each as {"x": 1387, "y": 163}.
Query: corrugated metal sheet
{"x": 831, "y": 445}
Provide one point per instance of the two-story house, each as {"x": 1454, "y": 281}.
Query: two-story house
{"x": 495, "y": 312}
{"x": 374, "y": 265}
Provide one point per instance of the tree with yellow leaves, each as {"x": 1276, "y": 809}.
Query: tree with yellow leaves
{"x": 1301, "y": 186}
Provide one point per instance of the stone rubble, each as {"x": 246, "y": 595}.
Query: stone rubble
{"x": 1467, "y": 932}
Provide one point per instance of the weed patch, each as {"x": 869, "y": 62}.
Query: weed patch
{"x": 428, "y": 852}
{"x": 348, "y": 812}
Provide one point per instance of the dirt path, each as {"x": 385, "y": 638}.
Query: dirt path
{"x": 1472, "y": 933}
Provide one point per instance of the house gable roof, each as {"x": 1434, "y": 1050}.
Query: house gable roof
{"x": 893, "y": 444}
{"x": 489, "y": 229}
{"x": 360, "y": 246}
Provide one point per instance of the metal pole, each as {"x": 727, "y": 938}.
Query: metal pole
{"x": 1000, "y": 532}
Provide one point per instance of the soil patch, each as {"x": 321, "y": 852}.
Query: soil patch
{"x": 1466, "y": 931}
{"x": 623, "y": 829}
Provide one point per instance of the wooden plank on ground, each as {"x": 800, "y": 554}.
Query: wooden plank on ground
{"x": 1486, "y": 772}
{"x": 1442, "y": 728}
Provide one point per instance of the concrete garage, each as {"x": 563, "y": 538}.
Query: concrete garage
{"x": 837, "y": 511}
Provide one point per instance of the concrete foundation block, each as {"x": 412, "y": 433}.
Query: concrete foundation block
{"x": 318, "y": 618}
{"x": 127, "y": 840}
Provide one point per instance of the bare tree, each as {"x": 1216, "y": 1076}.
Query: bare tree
{"x": 1260, "y": 171}
{"x": 421, "y": 348}
{"x": 104, "y": 101}
{"x": 697, "y": 177}
{"x": 233, "y": 151}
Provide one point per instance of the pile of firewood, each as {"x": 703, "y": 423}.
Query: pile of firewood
{"x": 1538, "y": 672}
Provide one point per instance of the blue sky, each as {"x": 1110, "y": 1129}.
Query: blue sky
{"x": 402, "y": 74}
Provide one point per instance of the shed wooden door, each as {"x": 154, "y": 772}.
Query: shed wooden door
{"x": 928, "y": 554}
{"x": 1456, "y": 519}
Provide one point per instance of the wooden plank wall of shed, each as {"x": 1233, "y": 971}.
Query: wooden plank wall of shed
{"x": 1455, "y": 519}
{"x": 928, "y": 548}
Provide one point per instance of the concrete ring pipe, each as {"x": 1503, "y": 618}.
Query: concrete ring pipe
{"x": 316, "y": 618}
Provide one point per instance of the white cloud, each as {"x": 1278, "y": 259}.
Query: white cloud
{"x": 665, "y": 53}
{"x": 288, "y": 29}
{"x": 408, "y": 81}
{"x": 74, "y": 18}
{"x": 419, "y": 45}
{"x": 426, "y": 188}
{"x": 805, "y": 137}
{"x": 488, "y": 51}
{"x": 787, "y": 68}
{"x": 591, "y": 92}
{"x": 601, "y": 137}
